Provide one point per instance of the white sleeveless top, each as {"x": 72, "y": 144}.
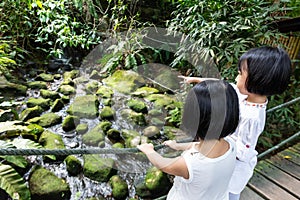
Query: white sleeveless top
{"x": 208, "y": 177}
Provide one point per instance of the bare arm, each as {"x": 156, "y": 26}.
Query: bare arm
{"x": 175, "y": 166}
{"x": 178, "y": 146}
{"x": 188, "y": 79}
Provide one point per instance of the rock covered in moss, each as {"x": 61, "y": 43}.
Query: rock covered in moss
{"x": 67, "y": 89}
{"x": 43, "y": 103}
{"x": 73, "y": 165}
{"x": 44, "y": 184}
{"x": 85, "y": 107}
{"x": 119, "y": 187}
{"x": 47, "y": 120}
{"x": 137, "y": 106}
{"x": 94, "y": 136}
{"x": 132, "y": 116}
{"x": 82, "y": 128}
{"x": 105, "y": 92}
{"x": 58, "y": 104}
{"x": 45, "y": 77}
{"x": 32, "y": 112}
{"x": 70, "y": 122}
{"x": 107, "y": 113}
{"x": 48, "y": 94}
{"x": 125, "y": 81}
{"x": 37, "y": 85}
{"x": 97, "y": 168}
{"x": 144, "y": 91}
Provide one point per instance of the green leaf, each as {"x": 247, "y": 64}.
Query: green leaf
{"x": 13, "y": 184}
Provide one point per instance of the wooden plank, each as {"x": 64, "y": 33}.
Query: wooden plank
{"x": 268, "y": 189}
{"x": 279, "y": 177}
{"x": 290, "y": 155}
{"x": 297, "y": 146}
{"x": 249, "y": 194}
{"x": 285, "y": 165}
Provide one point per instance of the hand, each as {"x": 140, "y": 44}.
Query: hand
{"x": 171, "y": 143}
{"x": 146, "y": 148}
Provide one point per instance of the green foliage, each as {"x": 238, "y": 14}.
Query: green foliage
{"x": 13, "y": 183}
{"x": 285, "y": 121}
{"x": 223, "y": 30}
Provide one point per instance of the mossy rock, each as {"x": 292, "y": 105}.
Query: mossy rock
{"x": 43, "y": 103}
{"x": 45, "y": 77}
{"x": 67, "y": 89}
{"x": 125, "y": 81}
{"x": 70, "y": 122}
{"x": 119, "y": 187}
{"x": 94, "y": 136}
{"x": 157, "y": 181}
{"x": 97, "y": 168}
{"x": 144, "y": 91}
{"x": 73, "y": 165}
{"x": 137, "y": 106}
{"x": 47, "y": 120}
{"x": 85, "y": 107}
{"x": 82, "y": 128}
{"x": 58, "y": 104}
{"x": 44, "y": 184}
{"x": 105, "y": 92}
{"x": 107, "y": 113}
{"x": 48, "y": 94}
{"x": 37, "y": 85}
{"x": 32, "y": 112}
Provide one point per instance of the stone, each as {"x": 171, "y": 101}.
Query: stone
{"x": 48, "y": 94}
{"x": 37, "y": 85}
{"x": 119, "y": 187}
{"x": 85, "y": 107}
{"x": 29, "y": 113}
{"x": 44, "y": 184}
{"x": 82, "y": 128}
{"x": 105, "y": 92}
{"x": 43, "y": 103}
{"x": 47, "y": 120}
{"x": 58, "y": 104}
{"x": 45, "y": 77}
{"x": 67, "y": 89}
{"x": 151, "y": 132}
{"x": 94, "y": 136}
{"x": 137, "y": 106}
{"x": 107, "y": 113}
{"x": 70, "y": 122}
{"x": 125, "y": 81}
{"x": 73, "y": 165}
{"x": 97, "y": 168}
{"x": 145, "y": 91}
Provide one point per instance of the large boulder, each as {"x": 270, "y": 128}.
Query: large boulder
{"x": 44, "y": 184}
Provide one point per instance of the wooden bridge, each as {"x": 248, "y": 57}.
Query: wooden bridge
{"x": 277, "y": 177}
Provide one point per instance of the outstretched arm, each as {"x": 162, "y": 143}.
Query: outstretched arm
{"x": 175, "y": 166}
{"x": 188, "y": 79}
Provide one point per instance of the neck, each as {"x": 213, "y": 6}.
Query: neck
{"x": 256, "y": 98}
{"x": 212, "y": 148}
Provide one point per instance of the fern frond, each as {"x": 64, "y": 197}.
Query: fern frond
{"x": 13, "y": 183}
